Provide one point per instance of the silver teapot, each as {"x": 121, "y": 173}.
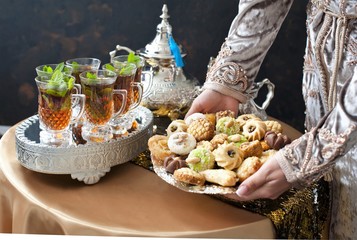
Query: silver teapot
{"x": 169, "y": 92}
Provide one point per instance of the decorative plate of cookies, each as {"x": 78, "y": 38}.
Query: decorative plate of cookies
{"x": 213, "y": 153}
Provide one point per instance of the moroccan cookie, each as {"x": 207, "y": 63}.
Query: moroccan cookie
{"x": 228, "y": 156}
{"x": 159, "y": 149}
{"x": 189, "y": 176}
{"x": 181, "y": 143}
{"x": 200, "y": 159}
{"x": 221, "y": 177}
{"x": 248, "y": 167}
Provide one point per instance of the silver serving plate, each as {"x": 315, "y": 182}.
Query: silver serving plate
{"x": 88, "y": 162}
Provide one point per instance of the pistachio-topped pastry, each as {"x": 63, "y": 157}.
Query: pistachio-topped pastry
{"x": 228, "y": 125}
{"x": 200, "y": 159}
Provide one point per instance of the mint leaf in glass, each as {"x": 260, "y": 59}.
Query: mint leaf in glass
{"x": 132, "y": 58}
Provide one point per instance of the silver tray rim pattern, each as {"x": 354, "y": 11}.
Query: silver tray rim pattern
{"x": 90, "y": 159}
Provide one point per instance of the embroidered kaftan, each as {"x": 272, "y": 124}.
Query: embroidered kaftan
{"x": 329, "y": 91}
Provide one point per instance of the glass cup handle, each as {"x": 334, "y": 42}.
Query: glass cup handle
{"x": 78, "y": 101}
{"x": 77, "y": 88}
{"x": 140, "y": 90}
{"x": 148, "y": 76}
{"x": 124, "y": 95}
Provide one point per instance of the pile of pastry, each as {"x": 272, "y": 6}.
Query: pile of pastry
{"x": 216, "y": 148}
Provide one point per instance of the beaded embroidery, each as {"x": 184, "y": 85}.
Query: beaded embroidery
{"x": 227, "y": 73}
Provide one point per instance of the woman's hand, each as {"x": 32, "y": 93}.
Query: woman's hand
{"x": 210, "y": 101}
{"x": 268, "y": 182}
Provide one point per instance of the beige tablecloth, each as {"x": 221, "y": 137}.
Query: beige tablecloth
{"x": 128, "y": 201}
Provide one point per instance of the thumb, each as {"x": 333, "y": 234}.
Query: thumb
{"x": 248, "y": 187}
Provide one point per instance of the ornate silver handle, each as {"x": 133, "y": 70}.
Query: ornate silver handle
{"x": 270, "y": 93}
{"x": 119, "y": 48}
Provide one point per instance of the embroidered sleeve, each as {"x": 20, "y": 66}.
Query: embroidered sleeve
{"x": 311, "y": 156}
{"x": 250, "y": 36}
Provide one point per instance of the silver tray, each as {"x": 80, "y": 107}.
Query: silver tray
{"x": 88, "y": 162}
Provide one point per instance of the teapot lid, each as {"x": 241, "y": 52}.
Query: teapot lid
{"x": 159, "y": 47}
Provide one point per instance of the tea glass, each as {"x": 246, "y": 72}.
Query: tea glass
{"x": 58, "y": 107}
{"x": 141, "y": 76}
{"x": 125, "y": 80}
{"x": 41, "y": 70}
{"x": 98, "y": 87}
{"x": 80, "y": 65}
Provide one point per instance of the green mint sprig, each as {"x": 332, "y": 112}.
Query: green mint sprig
{"x": 60, "y": 83}
{"x": 110, "y": 67}
{"x": 90, "y": 75}
{"x": 127, "y": 70}
{"x": 132, "y": 58}
{"x": 47, "y": 69}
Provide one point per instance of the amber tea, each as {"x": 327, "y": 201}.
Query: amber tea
{"x": 55, "y": 107}
{"x": 99, "y": 105}
{"x": 54, "y": 111}
{"x": 98, "y": 87}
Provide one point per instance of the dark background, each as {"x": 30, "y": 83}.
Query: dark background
{"x": 40, "y": 32}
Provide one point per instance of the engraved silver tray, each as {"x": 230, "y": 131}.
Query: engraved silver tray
{"x": 88, "y": 162}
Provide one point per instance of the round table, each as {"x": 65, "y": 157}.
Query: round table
{"x": 129, "y": 201}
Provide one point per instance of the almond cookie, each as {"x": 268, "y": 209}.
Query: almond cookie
{"x": 189, "y": 176}
{"x": 223, "y": 177}
{"x": 181, "y": 143}
{"x": 176, "y": 126}
{"x": 248, "y": 167}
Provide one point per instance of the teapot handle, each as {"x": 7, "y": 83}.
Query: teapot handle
{"x": 270, "y": 93}
{"x": 119, "y": 48}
